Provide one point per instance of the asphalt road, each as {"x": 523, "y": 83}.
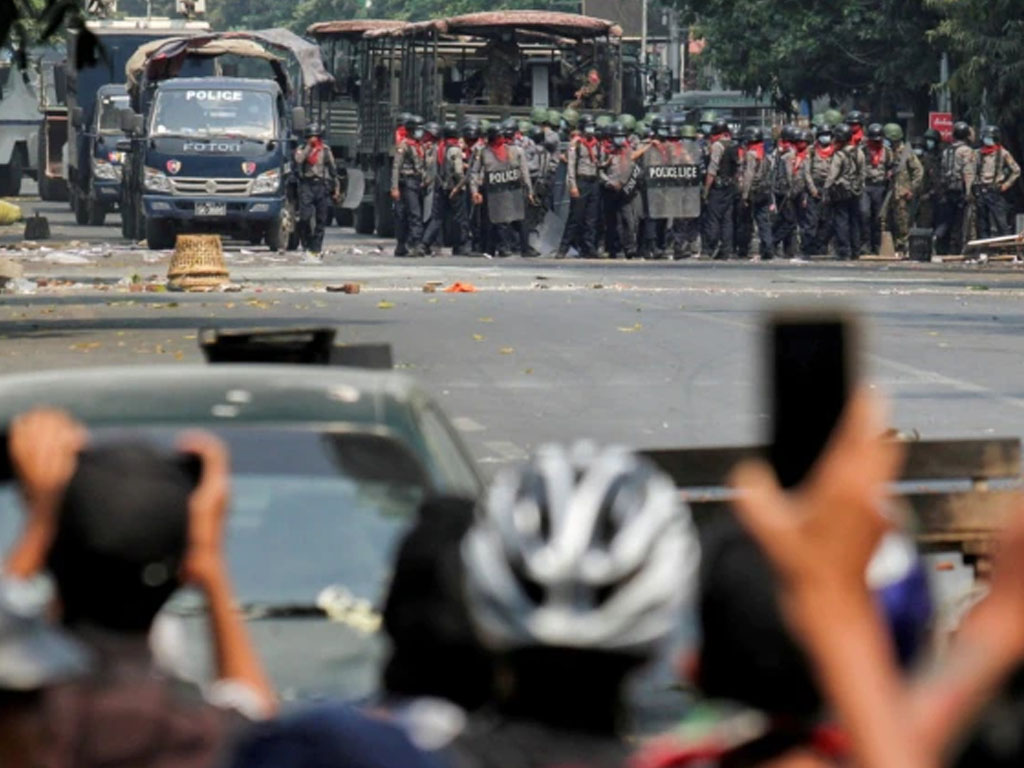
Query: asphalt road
{"x": 651, "y": 354}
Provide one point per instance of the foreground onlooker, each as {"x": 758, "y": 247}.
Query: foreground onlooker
{"x": 120, "y": 528}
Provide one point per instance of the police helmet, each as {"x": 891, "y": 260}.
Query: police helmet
{"x": 603, "y": 120}
{"x": 451, "y": 130}
{"x": 917, "y": 142}
{"x": 314, "y": 129}
{"x": 754, "y": 134}
{"x": 874, "y": 132}
{"x": 991, "y": 132}
{"x": 842, "y": 133}
{"x": 806, "y": 136}
{"x": 628, "y": 122}
{"x": 855, "y": 117}
{"x": 934, "y": 135}
{"x": 471, "y": 131}
{"x": 617, "y": 129}
{"x": 823, "y": 130}
{"x": 493, "y": 130}
{"x": 585, "y": 120}
{"x": 403, "y": 118}
{"x": 788, "y": 133}
{"x": 719, "y": 126}
{"x": 538, "y": 115}
{"x": 553, "y": 118}
{"x": 659, "y": 123}
{"x": 537, "y": 134}
{"x": 675, "y": 131}
{"x": 961, "y": 130}
{"x": 833, "y": 117}
{"x": 525, "y": 126}
{"x": 571, "y": 117}
{"x": 412, "y": 122}
{"x": 707, "y": 120}
{"x": 819, "y": 120}
{"x": 892, "y": 131}
{"x": 509, "y": 126}
{"x": 432, "y": 129}
{"x": 688, "y": 131}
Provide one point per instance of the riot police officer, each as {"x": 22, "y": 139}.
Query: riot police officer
{"x": 958, "y": 173}
{"x": 498, "y": 180}
{"x": 407, "y": 180}
{"x": 843, "y": 189}
{"x": 997, "y": 172}
{"x": 720, "y": 191}
{"x": 583, "y": 162}
{"x": 318, "y": 180}
{"x": 818, "y": 212}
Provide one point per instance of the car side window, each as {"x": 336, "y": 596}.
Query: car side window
{"x": 451, "y": 459}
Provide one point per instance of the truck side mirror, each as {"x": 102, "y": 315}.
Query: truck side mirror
{"x": 130, "y": 121}
{"x": 77, "y": 117}
{"x": 298, "y": 119}
{"x": 123, "y": 145}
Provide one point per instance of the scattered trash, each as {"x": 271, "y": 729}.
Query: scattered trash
{"x": 385, "y": 305}
{"x": 458, "y": 287}
{"x": 344, "y": 288}
{"x": 9, "y": 270}
{"x": 37, "y": 228}
{"x": 62, "y": 257}
{"x": 631, "y": 328}
{"x": 9, "y": 213}
{"x": 21, "y": 286}
{"x": 507, "y": 350}
{"x": 428, "y": 288}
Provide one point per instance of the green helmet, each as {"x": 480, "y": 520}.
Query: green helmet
{"x": 640, "y": 129}
{"x": 818, "y": 120}
{"x": 538, "y": 115}
{"x": 484, "y": 125}
{"x": 707, "y": 119}
{"x": 833, "y": 117}
{"x": 892, "y": 132}
{"x": 525, "y": 126}
{"x": 688, "y": 131}
{"x": 649, "y": 117}
{"x": 603, "y": 121}
{"x": 554, "y": 117}
{"x": 571, "y": 117}
{"x": 628, "y": 122}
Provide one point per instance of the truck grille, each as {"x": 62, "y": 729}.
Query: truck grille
{"x": 185, "y": 186}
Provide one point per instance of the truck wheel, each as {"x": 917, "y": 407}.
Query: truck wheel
{"x": 159, "y": 234}
{"x": 97, "y": 213}
{"x": 280, "y": 229}
{"x": 343, "y": 217}
{"x": 80, "y": 205}
{"x": 10, "y": 175}
{"x": 126, "y": 220}
{"x": 364, "y": 219}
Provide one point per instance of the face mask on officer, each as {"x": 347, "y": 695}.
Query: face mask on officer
{"x": 918, "y": 151}
{"x": 988, "y": 141}
{"x": 825, "y": 139}
{"x": 930, "y": 143}
{"x": 887, "y": 144}
{"x": 589, "y": 131}
{"x": 705, "y": 128}
{"x": 620, "y": 141}
{"x": 417, "y": 134}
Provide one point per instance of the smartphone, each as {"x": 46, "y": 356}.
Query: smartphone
{"x": 811, "y": 374}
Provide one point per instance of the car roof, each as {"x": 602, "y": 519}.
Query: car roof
{"x": 197, "y": 394}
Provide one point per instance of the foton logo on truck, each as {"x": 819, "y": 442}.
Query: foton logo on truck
{"x": 213, "y": 146}
{"x": 213, "y": 95}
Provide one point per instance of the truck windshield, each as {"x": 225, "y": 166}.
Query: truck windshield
{"x": 213, "y": 112}
{"x": 109, "y": 113}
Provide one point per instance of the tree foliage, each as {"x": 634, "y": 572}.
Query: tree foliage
{"x": 876, "y": 51}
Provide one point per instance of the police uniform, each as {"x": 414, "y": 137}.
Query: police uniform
{"x": 503, "y": 176}
{"x": 583, "y": 164}
{"x": 757, "y": 193}
{"x": 407, "y": 176}
{"x": 959, "y": 168}
{"x": 996, "y": 171}
{"x": 878, "y": 164}
{"x": 930, "y": 196}
{"x": 817, "y": 229}
{"x": 721, "y": 197}
{"x": 317, "y": 180}
{"x": 621, "y": 177}
{"x": 452, "y": 185}
{"x": 844, "y": 187}
{"x": 784, "y": 221}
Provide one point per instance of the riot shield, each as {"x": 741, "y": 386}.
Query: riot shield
{"x": 503, "y": 190}
{"x": 428, "y": 202}
{"x": 667, "y": 185}
{"x": 355, "y": 188}
{"x": 692, "y": 178}
{"x": 550, "y": 236}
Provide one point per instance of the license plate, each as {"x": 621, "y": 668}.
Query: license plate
{"x": 211, "y": 209}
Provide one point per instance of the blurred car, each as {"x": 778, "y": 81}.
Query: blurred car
{"x": 329, "y": 466}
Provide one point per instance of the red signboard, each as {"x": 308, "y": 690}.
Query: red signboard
{"x": 943, "y": 123}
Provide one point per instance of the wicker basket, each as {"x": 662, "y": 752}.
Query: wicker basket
{"x": 197, "y": 264}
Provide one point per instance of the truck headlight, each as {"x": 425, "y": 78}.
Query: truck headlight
{"x": 101, "y": 169}
{"x": 156, "y": 181}
{"x": 266, "y": 182}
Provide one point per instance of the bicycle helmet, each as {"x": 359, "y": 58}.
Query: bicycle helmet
{"x": 581, "y": 548}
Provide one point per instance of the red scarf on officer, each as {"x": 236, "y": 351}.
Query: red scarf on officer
{"x": 990, "y": 150}
{"x": 590, "y": 142}
{"x": 857, "y": 135}
{"x": 316, "y": 147}
{"x": 442, "y": 148}
{"x": 757, "y": 148}
{"x": 499, "y": 149}
{"x": 876, "y": 151}
{"x": 824, "y": 152}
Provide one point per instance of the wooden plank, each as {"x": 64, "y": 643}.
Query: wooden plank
{"x": 926, "y": 460}
{"x": 970, "y": 513}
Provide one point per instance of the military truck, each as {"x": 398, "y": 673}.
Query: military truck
{"x": 119, "y": 38}
{"x": 482, "y": 66}
{"x": 213, "y": 125}
{"x": 19, "y": 126}
{"x": 343, "y": 47}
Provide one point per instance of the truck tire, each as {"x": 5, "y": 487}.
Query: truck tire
{"x": 384, "y": 210}
{"x": 49, "y": 189}
{"x": 126, "y": 220}
{"x": 280, "y": 230}
{"x": 80, "y": 205}
{"x": 10, "y": 175}
{"x": 343, "y": 216}
{"x": 159, "y": 234}
{"x": 97, "y": 213}
{"x": 364, "y": 219}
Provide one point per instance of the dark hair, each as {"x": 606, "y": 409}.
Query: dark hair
{"x": 121, "y": 537}
{"x": 747, "y": 652}
{"x": 435, "y": 651}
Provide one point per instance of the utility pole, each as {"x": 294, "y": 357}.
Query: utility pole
{"x": 643, "y": 42}
{"x": 944, "y": 100}
{"x": 674, "y": 50}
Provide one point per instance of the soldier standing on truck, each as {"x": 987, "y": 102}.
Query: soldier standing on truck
{"x": 407, "y": 176}
{"x": 318, "y": 184}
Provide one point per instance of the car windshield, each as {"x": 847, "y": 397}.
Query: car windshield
{"x": 109, "y": 119}
{"x": 214, "y": 113}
